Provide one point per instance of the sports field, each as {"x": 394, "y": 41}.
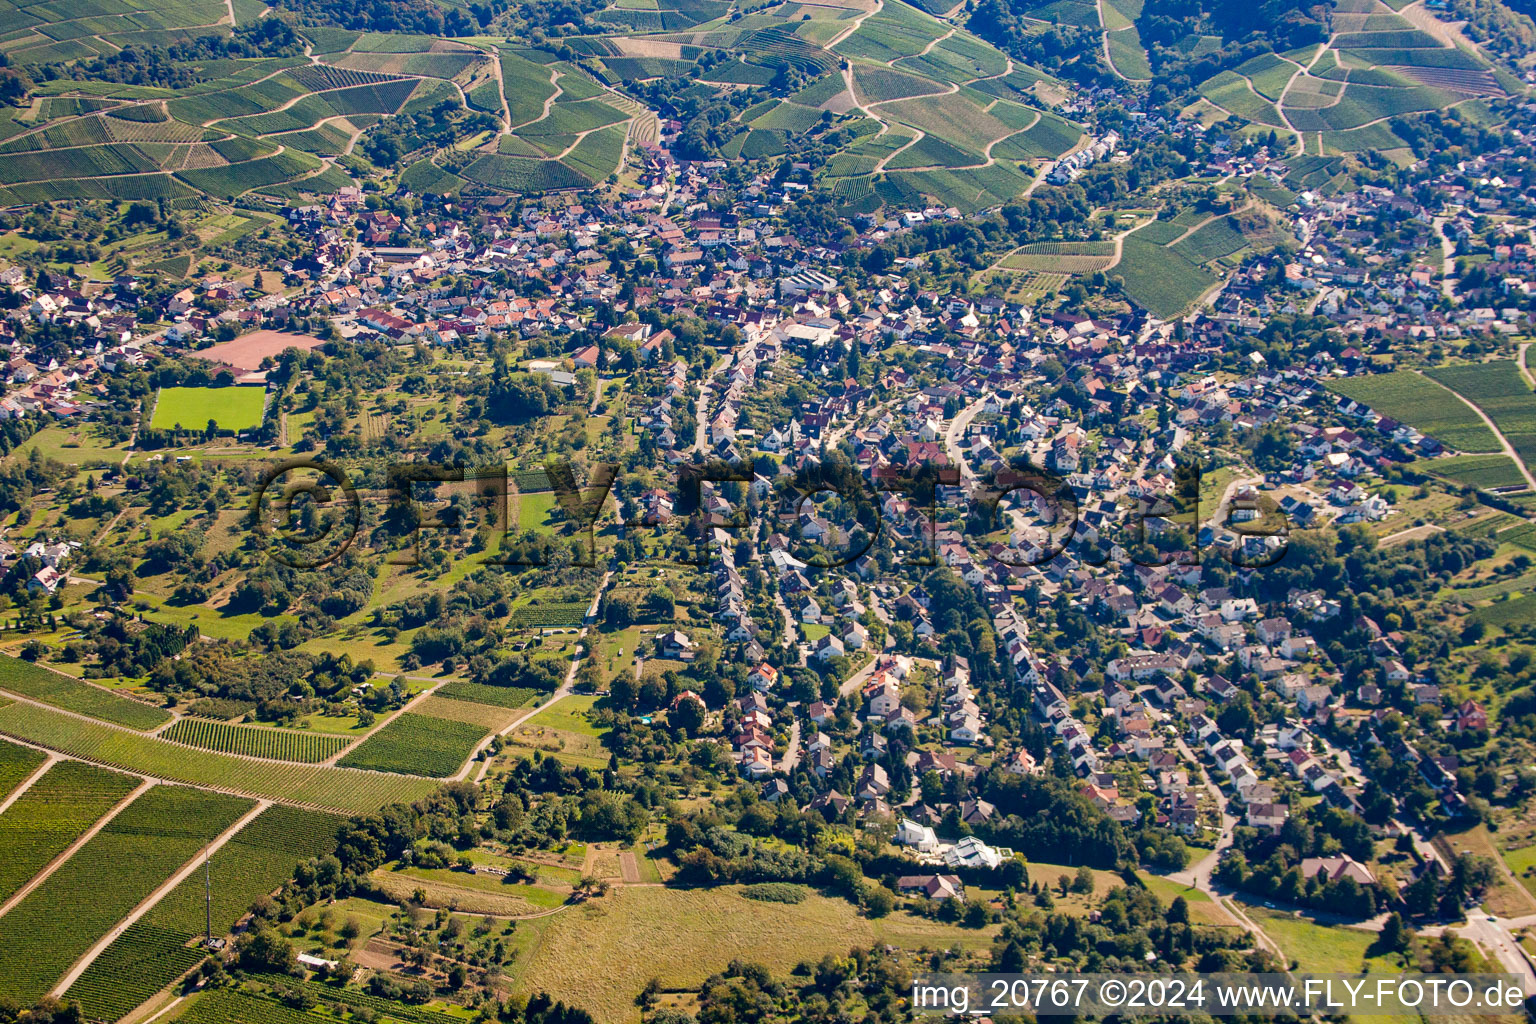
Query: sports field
{"x": 237, "y": 408}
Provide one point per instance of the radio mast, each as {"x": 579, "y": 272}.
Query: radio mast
{"x": 207, "y": 898}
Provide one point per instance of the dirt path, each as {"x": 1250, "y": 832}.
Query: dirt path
{"x": 1108, "y": 57}
{"x": 1119, "y": 240}
{"x": 580, "y": 654}
{"x": 1208, "y": 220}
{"x": 851, "y": 29}
{"x": 27, "y": 783}
{"x": 1301, "y": 70}
{"x": 1525, "y": 372}
{"x": 1115, "y": 257}
{"x": 501, "y": 90}
{"x": 1447, "y": 260}
{"x": 42, "y": 876}
{"x": 168, "y": 1007}
{"x": 549, "y": 101}
{"x": 925, "y": 50}
{"x": 176, "y": 716}
{"x": 155, "y": 897}
{"x": 853, "y": 93}
{"x": 110, "y": 524}
{"x": 263, "y": 78}
{"x": 579, "y": 138}
{"x": 1448, "y": 32}
{"x": 1509, "y": 449}
{"x": 920, "y": 136}
{"x": 1411, "y": 533}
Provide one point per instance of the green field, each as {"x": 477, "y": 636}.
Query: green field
{"x": 1408, "y": 397}
{"x": 565, "y": 729}
{"x": 1317, "y": 948}
{"x": 1202, "y": 909}
{"x": 417, "y": 745}
{"x": 681, "y": 936}
{"x": 255, "y": 741}
{"x": 80, "y": 445}
{"x": 1233, "y": 94}
{"x": 233, "y": 409}
{"x": 1211, "y": 242}
{"x": 153, "y": 952}
{"x": 82, "y": 698}
{"x": 1515, "y": 611}
{"x": 106, "y": 878}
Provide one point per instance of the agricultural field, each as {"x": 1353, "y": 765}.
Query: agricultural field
{"x": 1161, "y": 280}
{"x": 59, "y": 920}
{"x": 17, "y": 764}
{"x": 480, "y": 693}
{"x": 1061, "y": 257}
{"x": 54, "y": 812}
{"x": 82, "y": 698}
{"x": 232, "y": 1006}
{"x": 255, "y": 741}
{"x": 417, "y": 744}
{"x": 153, "y": 952}
{"x": 1487, "y": 472}
{"x": 1411, "y": 398}
{"x": 547, "y": 615}
{"x": 1378, "y": 65}
{"x": 471, "y": 893}
{"x": 487, "y": 717}
{"x": 231, "y": 409}
{"x": 338, "y": 789}
{"x": 1498, "y": 389}
{"x": 1512, "y": 611}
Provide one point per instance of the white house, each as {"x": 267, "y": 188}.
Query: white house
{"x": 919, "y": 837}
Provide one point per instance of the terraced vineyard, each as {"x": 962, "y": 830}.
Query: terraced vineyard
{"x": 417, "y": 744}
{"x": 16, "y": 765}
{"x": 279, "y": 126}
{"x": 61, "y": 691}
{"x": 54, "y": 812}
{"x": 566, "y": 614}
{"x": 316, "y": 785}
{"x": 154, "y": 951}
{"x": 479, "y": 693}
{"x": 1337, "y": 99}
{"x": 58, "y": 921}
{"x": 1409, "y": 398}
{"x": 255, "y": 741}
{"x": 1499, "y": 390}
